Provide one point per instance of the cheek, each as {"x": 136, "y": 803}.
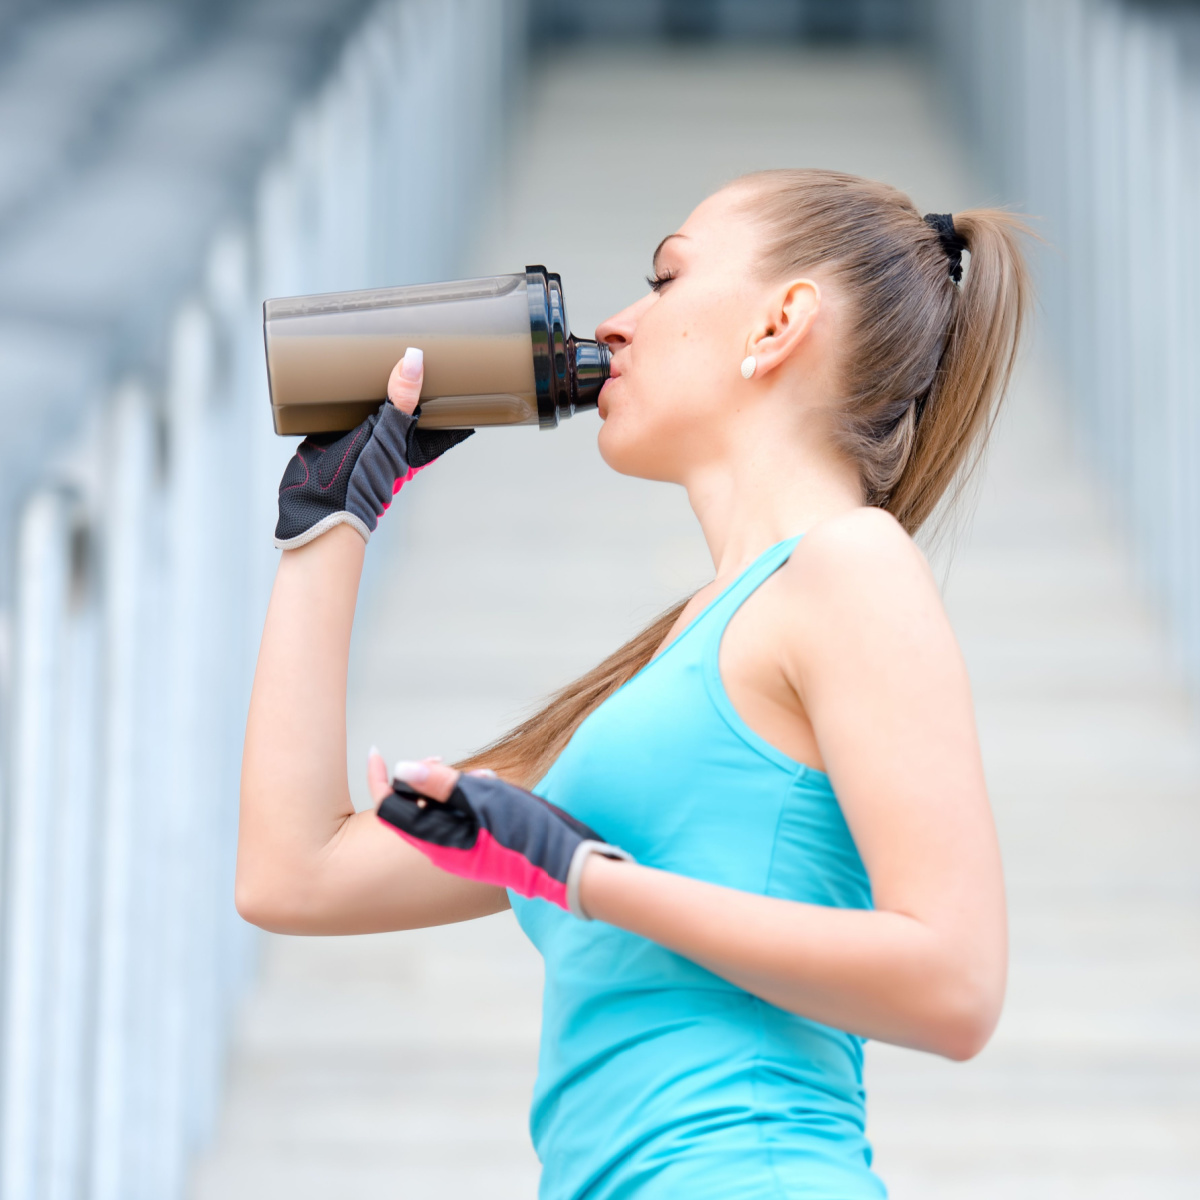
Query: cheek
{"x": 664, "y": 409}
{"x": 684, "y": 353}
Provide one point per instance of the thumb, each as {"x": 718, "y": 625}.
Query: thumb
{"x": 404, "y": 384}
{"x": 377, "y": 776}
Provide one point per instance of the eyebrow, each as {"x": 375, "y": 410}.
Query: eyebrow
{"x": 658, "y": 248}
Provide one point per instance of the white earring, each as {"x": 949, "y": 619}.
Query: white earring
{"x": 749, "y": 363}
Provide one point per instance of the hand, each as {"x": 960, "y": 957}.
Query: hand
{"x": 478, "y": 827}
{"x": 350, "y": 478}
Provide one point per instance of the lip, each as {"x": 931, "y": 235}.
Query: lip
{"x": 601, "y": 407}
{"x": 614, "y": 372}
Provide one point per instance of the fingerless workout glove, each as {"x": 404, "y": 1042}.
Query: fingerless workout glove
{"x": 350, "y": 478}
{"x": 493, "y": 832}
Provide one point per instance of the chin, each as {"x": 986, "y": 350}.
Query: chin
{"x": 635, "y": 451}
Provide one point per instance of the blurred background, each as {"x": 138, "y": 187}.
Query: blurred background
{"x": 165, "y": 166}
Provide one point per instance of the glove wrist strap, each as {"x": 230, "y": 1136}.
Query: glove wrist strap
{"x": 323, "y": 526}
{"x": 583, "y": 852}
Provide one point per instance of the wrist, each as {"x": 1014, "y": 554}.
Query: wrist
{"x": 598, "y": 873}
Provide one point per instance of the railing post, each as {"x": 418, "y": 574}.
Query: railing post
{"x": 43, "y": 576}
{"x": 129, "y": 595}
{"x": 77, "y": 812}
{"x": 238, "y": 602}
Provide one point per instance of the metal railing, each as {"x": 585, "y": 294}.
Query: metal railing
{"x": 140, "y": 565}
{"x": 1086, "y": 113}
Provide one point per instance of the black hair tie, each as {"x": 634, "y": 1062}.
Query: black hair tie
{"x": 953, "y": 243}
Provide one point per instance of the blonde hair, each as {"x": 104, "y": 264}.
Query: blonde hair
{"x": 924, "y": 368}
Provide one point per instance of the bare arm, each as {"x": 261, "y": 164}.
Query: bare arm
{"x": 867, "y": 649}
{"x": 872, "y": 657}
{"x": 884, "y": 975}
{"x": 307, "y": 863}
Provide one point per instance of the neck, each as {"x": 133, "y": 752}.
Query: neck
{"x": 768, "y": 486}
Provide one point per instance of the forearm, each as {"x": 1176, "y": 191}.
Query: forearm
{"x": 882, "y": 975}
{"x": 295, "y": 794}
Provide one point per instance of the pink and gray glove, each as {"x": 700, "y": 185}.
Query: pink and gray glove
{"x": 350, "y": 478}
{"x": 496, "y": 833}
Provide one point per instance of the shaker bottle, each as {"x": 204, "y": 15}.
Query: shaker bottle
{"x": 497, "y": 352}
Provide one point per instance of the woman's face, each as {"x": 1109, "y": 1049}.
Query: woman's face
{"x": 677, "y": 352}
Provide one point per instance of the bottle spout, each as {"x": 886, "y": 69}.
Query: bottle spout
{"x": 587, "y": 370}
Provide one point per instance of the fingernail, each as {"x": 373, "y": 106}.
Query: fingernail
{"x": 485, "y": 772}
{"x": 374, "y": 753}
{"x": 412, "y": 363}
{"x": 410, "y": 772}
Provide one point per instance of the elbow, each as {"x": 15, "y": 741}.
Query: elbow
{"x": 252, "y": 904}
{"x": 255, "y": 904}
{"x": 264, "y": 902}
{"x": 962, "y": 1040}
{"x": 966, "y": 1020}
{"x": 272, "y": 886}
{"x": 255, "y": 896}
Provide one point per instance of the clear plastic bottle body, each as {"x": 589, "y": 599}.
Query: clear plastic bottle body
{"x": 329, "y": 357}
{"x": 497, "y": 352}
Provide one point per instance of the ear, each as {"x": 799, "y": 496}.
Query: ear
{"x": 789, "y": 319}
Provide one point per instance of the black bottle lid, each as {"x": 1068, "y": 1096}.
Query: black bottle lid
{"x": 568, "y": 371}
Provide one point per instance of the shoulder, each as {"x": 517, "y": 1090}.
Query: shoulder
{"x": 860, "y": 574}
{"x": 865, "y": 546}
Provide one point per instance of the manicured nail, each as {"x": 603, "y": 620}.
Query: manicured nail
{"x": 410, "y": 772}
{"x": 374, "y": 753}
{"x": 486, "y": 772}
{"x": 412, "y": 363}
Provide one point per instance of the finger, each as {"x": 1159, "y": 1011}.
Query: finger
{"x": 378, "y": 782}
{"x": 484, "y": 773}
{"x": 404, "y": 384}
{"x": 432, "y": 778}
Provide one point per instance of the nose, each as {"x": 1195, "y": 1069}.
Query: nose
{"x": 617, "y": 330}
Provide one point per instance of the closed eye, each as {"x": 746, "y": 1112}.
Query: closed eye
{"x": 658, "y": 281}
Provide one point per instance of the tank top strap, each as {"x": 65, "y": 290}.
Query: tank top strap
{"x": 742, "y": 588}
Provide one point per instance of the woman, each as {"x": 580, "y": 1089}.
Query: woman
{"x": 788, "y": 761}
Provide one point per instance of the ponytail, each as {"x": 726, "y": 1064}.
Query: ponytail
{"x": 976, "y": 364}
{"x": 526, "y": 753}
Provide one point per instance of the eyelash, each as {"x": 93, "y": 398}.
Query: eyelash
{"x": 656, "y": 282}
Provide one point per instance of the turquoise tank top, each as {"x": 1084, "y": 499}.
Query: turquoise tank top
{"x": 656, "y": 1078}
